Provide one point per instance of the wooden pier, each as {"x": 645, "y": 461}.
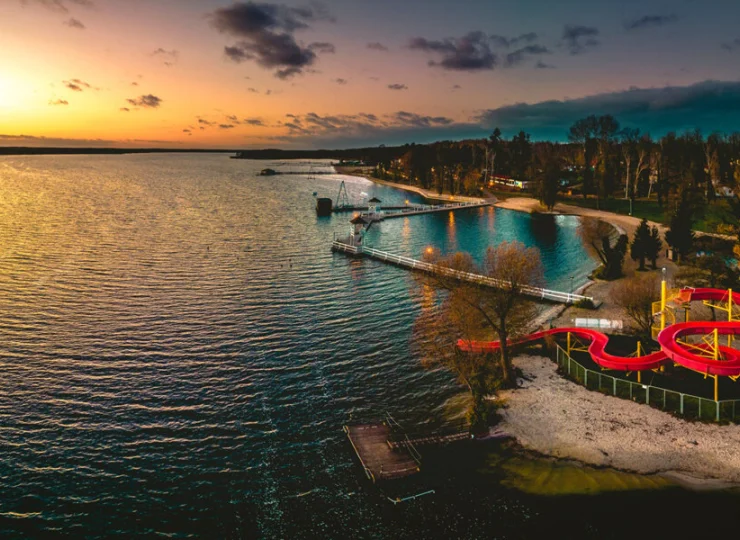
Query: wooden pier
{"x": 378, "y": 458}
{"x": 413, "y": 264}
{"x": 430, "y": 439}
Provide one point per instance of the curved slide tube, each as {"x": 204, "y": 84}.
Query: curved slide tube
{"x": 671, "y": 349}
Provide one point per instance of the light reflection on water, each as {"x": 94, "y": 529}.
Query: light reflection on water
{"x": 179, "y": 350}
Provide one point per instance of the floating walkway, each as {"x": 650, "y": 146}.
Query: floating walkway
{"x": 422, "y": 209}
{"x": 413, "y": 264}
{"x": 363, "y": 208}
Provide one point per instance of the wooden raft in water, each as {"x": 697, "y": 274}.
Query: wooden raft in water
{"x": 380, "y": 461}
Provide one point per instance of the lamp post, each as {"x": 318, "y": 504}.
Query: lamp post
{"x": 571, "y": 284}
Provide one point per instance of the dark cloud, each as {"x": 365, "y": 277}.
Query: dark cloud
{"x": 134, "y": 83}
{"x": 58, "y": 102}
{"x": 74, "y": 23}
{"x": 340, "y": 81}
{"x": 456, "y": 87}
{"x": 265, "y": 34}
{"x": 542, "y": 65}
{"x": 731, "y": 45}
{"x": 377, "y": 46}
{"x": 124, "y": 109}
{"x": 322, "y": 47}
{"x": 397, "y": 86}
{"x": 709, "y": 105}
{"x": 416, "y": 120}
{"x": 650, "y": 21}
{"x": 579, "y": 39}
{"x": 147, "y": 101}
{"x": 188, "y": 131}
{"x": 254, "y": 122}
{"x": 474, "y": 51}
{"x": 226, "y": 126}
{"x": 205, "y": 122}
{"x": 520, "y": 55}
{"x": 253, "y": 90}
{"x": 471, "y": 52}
{"x": 233, "y": 119}
{"x": 60, "y": 6}
{"x": 345, "y": 131}
{"x": 78, "y": 86}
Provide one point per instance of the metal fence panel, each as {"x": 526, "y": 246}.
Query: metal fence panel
{"x": 668, "y": 400}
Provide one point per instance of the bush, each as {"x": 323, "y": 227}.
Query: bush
{"x": 585, "y": 303}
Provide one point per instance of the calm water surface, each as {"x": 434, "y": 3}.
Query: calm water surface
{"x": 179, "y": 350}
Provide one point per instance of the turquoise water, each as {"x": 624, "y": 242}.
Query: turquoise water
{"x": 179, "y": 350}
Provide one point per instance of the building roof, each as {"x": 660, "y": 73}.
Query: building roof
{"x": 358, "y": 219}
{"x": 375, "y": 200}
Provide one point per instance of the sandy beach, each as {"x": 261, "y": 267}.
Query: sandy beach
{"x": 432, "y": 195}
{"x": 558, "y": 418}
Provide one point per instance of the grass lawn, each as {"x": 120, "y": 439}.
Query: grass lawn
{"x": 717, "y": 215}
{"x": 641, "y": 208}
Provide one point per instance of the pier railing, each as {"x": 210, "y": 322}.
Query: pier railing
{"x": 686, "y": 405}
{"x": 423, "y": 209}
{"x": 414, "y": 264}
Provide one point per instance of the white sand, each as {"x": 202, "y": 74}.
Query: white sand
{"x": 559, "y": 418}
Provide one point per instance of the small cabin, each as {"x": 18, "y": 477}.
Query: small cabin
{"x": 357, "y": 230}
{"x": 373, "y": 206}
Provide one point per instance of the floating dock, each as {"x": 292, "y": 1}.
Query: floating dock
{"x": 424, "y": 209}
{"x": 379, "y": 459}
{"x": 537, "y": 293}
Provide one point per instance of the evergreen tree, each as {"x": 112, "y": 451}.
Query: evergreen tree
{"x": 639, "y": 248}
{"x": 680, "y": 236}
{"x": 654, "y": 246}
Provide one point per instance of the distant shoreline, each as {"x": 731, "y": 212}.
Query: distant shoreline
{"x": 364, "y": 172}
{"x": 57, "y": 151}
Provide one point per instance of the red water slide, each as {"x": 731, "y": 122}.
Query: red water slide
{"x": 671, "y": 349}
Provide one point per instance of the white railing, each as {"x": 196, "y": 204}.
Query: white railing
{"x": 424, "y": 209}
{"x": 400, "y": 260}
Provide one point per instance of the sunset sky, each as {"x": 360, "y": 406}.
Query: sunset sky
{"x": 343, "y": 73}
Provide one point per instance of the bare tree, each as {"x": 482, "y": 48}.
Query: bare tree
{"x": 636, "y": 295}
{"x": 629, "y": 146}
{"x": 475, "y": 311}
{"x": 643, "y": 159}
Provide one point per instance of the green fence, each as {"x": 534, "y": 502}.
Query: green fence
{"x": 668, "y": 400}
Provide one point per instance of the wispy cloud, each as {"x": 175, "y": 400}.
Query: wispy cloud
{"x": 147, "y": 101}
{"x": 397, "y": 86}
{"x": 74, "y": 23}
{"x": 518, "y": 56}
{"x": 579, "y": 39}
{"x": 58, "y": 102}
{"x": 731, "y": 45}
{"x": 650, "y": 21}
{"x": 377, "y": 46}
{"x": 60, "y": 6}
{"x": 169, "y": 57}
{"x": 78, "y": 85}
